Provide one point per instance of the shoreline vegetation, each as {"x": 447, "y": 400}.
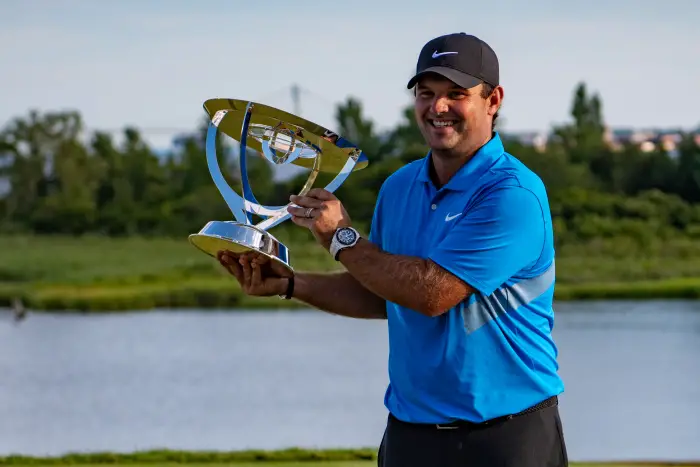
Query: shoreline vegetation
{"x": 91, "y": 224}
{"x": 290, "y": 457}
{"x": 103, "y": 274}
{"x": 222, "y": 294}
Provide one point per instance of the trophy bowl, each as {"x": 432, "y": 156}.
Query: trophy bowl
{"x": 280, "y": 138}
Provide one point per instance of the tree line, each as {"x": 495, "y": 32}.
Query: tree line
{"x": 51, "y": 182}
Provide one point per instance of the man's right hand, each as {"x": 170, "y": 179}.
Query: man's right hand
{"x": 256, "y": 274}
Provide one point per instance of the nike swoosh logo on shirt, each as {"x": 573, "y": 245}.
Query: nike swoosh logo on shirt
{"x": 449, "y": 218}
{"x": 436, "y": 54}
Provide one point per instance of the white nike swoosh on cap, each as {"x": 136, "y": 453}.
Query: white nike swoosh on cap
{"x": 436, "y": 54}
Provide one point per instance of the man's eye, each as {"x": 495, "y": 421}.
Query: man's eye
{"x": 456, "y": 95}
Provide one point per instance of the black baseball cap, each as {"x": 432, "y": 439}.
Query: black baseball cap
{"x": 461, "y": 58}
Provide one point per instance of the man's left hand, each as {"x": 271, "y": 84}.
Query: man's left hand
{"x": 321, "y": 212}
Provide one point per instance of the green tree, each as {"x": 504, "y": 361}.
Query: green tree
{"x": 52, "y": 182}
{"x": 583, "y": 138}
{"x": 27, "y": 156}
{"x": 688, "y": 176}
{"x": 353, "y": 126}
{"x": 70, "y": 203}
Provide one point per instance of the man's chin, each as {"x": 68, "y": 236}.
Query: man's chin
{"x": 442, "y": 145}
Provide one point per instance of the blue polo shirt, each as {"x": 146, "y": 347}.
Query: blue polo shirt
{"x": 490, "y": 225}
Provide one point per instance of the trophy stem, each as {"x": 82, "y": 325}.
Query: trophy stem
{"x": 234, "y": 202}
{"x": 243, "y": 165}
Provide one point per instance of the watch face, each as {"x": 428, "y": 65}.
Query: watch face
{"x": 346, "y": 236}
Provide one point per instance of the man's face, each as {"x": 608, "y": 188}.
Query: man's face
{"x": 449, "y": 116}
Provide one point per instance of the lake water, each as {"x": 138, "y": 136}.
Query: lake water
{"x": 225, "y": 381}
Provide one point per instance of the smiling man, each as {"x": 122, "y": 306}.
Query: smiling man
{"x": 460, "y": 260}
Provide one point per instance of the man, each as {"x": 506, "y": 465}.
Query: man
{"x": 460, "y": 260}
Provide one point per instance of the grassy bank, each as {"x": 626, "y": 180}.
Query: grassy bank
{"x": 222, "y": 293}
{"x": 98, "y": 274}
{"x": 372, "y": 463}
{"x": 158, "y": 457}
{"x": 286, "y": 458}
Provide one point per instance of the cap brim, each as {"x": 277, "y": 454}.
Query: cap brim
{"x": 460, "y": 79}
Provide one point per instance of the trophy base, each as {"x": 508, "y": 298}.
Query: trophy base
{"x": 239, "y": 238}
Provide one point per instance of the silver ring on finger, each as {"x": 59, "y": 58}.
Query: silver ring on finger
{"x": 308, "y": 212}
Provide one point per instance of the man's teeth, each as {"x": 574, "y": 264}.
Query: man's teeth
{"x": 442, "y": 123}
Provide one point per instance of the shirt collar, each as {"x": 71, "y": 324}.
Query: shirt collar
{"x": 472, "y": 170}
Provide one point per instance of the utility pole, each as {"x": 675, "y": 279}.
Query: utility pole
{"x": 296, "y": 100}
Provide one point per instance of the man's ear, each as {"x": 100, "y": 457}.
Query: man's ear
{"x": 495, "y": 100}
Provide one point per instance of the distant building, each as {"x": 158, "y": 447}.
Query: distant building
{"x": 646, "y": 140}
{"x": 649, "y": 139}
{"x": 538, "y": 140}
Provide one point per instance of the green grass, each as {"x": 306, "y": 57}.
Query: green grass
{"x": 372, "y": 463}
{"x": 95, "y": 273}
{"x": 622, "y": 260}
{"x": 99, "y": 274}
{"x": 121, "y": 261}
{"x": 280, "y": 458}
{"x": 164, "y": 457}
{"x": 246, "y": 464}
{"x": 679, "y": 288}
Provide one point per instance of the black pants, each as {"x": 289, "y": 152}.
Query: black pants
{"x": 532, "y": 439}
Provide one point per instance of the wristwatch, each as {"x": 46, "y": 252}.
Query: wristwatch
{"x": 344, "y": 237}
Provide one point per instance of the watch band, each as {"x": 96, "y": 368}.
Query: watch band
{"x": 290, "y": 289}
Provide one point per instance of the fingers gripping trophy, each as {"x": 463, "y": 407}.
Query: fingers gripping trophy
{"x": 279, "y": 138}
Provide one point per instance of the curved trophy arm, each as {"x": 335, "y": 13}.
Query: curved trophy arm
{"x": 331, "y": 187}
{"x": 241, "y": 207}
{"x": 242, "y": 164}
{"x": 251, "y": 205}
{"x": 233, "y": 199}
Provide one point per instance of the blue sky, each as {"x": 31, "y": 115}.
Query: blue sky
{"x": 152, "y": 63}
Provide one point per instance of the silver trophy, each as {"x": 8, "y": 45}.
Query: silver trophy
{"x": 280, "y": 138}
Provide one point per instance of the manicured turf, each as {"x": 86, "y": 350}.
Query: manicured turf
{"x": 95, "y": 274}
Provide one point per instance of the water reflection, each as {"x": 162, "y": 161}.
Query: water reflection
{"x": 221, "y": 380}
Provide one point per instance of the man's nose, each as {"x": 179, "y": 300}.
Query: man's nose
{"x": 439, "y": 105}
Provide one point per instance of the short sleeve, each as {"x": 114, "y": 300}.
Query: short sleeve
{"x": 499, "y": 236}
{"x": 375, "y": 229}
